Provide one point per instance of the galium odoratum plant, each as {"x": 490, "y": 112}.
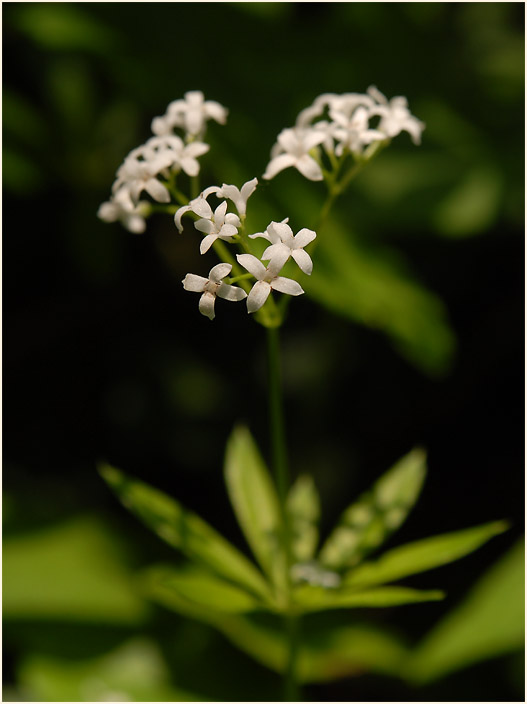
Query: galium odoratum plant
{"x": 292, "y": 575}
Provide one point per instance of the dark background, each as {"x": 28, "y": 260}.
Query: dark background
{"x": 105, "y": 355}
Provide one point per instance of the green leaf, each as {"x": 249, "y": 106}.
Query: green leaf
{"x": 490, "y": 622}
{"x": 311, "y": 598}
{"x": 136, "y": 671}
{"x": 375, "y": 288}
{"x": 422, "y": 555}
{"x": 303, "y": 508}
{"x": 201, "y": 589}
{"x": 184, "y": 530}
{"x": 255, "y": 502}
{"x": 72, "y": 571}
{"x": 377, "y": 513}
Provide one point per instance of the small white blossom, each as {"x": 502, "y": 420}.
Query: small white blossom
{"x": 198, "y": 205}
{"x": 220, "y": 225}
{"x": 292, "y": 149}
{"x": 395, "y": 116}
{"x": 267, "y": 280}
{"x": 183, "y": 156}
{"x": 212, "y": 287}
{"x": 353, "y": 133}
{"x": 190, "y": 114}
{"x": 284, "y": 244}
{"x": 138, "y": 175}
{"x": 238, "y": 196}
{"x": 121, "y": 207}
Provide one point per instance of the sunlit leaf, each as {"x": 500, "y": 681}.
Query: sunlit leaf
{"x": 311, "y": 598}
{"x": 374, "y": 288}
{"x": 488, "y": 623}
{"x": 202, "y": 589}
{"x": 303, "y": 508}
{"x": 255, "y": 502}
{"x": 184, "y": 530}
{"x": 474, "y": 204}
{"x": 136, "y": 671}
{"x": 422, "y": 555}
{"x": 71, "y": 571}
{"x": 368, "y": 522}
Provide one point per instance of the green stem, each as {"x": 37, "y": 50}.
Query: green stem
{"x": 281, "y": 470}
{"x": 276, "y": 417}
{"x": 291, "y": 686}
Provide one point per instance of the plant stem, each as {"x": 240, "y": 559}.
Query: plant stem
{"x": 281, "y": 470}
{"x": 291, "y": 686}
{"x": 276, "y": 417}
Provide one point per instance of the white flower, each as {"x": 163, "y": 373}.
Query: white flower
{"x": 284, "y": 244}
{"x": 395, "y": 116}
{"x": 267, "y": 280}
{"x": 212, "y": 287}
{"x": 198, "y": 205}
{"x": 353, "y": 133}
{"x": 180, "y": 154}
{"x": 121, "y": 207}
{"x": 190, "y": 114}
{"x": 238, "y": 197}
{"x": 219, "y": 225}
{"x": 139, "y": 175}
{"x": 292, "y": 149}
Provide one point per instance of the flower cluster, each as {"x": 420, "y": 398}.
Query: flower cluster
{"x": 340, "y": 124}
{"x": 148, "y": 167}
{"x": 219, "y": 224}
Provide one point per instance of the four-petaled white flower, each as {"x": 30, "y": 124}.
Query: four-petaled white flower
{"x": 284, "y": 244}
{"x": 121, "y": 207}
{"x": 139, "y": 175}
{"x": 212, "y": 287}
{"x": 395, "y": 116}
{"x": 353, "y": 133}
{"x": 190, "y": 114}
{"x": 180, "y": 154}
{"x": 267, "y": 280}
{"x": 219, "y": 225}
{"x": 292, "y": 149}
{"x": 238, "y": 196}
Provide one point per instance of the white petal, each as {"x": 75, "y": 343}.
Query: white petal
{"x": 193, "y": 282}
{"x": 157, "y": 191}
{"x": 190, "y": 165}
{"x": 216, "y": 111}
{"x": 303, "y": 260}
{"x": 275, "y": 250}
{"x": 196, "y": 149}
{"x": 304, "y": 237}
{"x": 231, "y": 293}
{"x": 206, "y": 243}
{"x": 309, "y": 168}
{"x": 219, "y": 272}
{"x": 277, "y": 262}
{"x": 264, "y": 235}
{"x": 206, "y": 304}
{"x": 206, "y": 226}
{"x": 219, "y": 213}
{"x": 279, "y": 163}
{"x": 312, "y": 139}
{"x": 253, "y": 265}
{"x": 179, "y": 214}
{"x": 201, "y": 207}
{"x": 288, "y": 286}
{"x": 135, "y": 224}
{"x": 227, "y": 231}
{"x": 232, "y": 219}
{"x": 248, "y": 188}
{"x": 279, "y": 232}
{"x": 109, "y": 212}
{"x": 258, "y": 295}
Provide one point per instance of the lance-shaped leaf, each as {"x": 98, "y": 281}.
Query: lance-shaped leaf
{"x": 303, "y": 508}
{"x": 184, "y": 530}
{"x": 367, "y": 523}
{"x": 422, "y": 555}
{"x": 489, "y": 622}
{"x": 255, "y": 502}
{"x": 310, "y": 598}
{"x": 201, "y": 589}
